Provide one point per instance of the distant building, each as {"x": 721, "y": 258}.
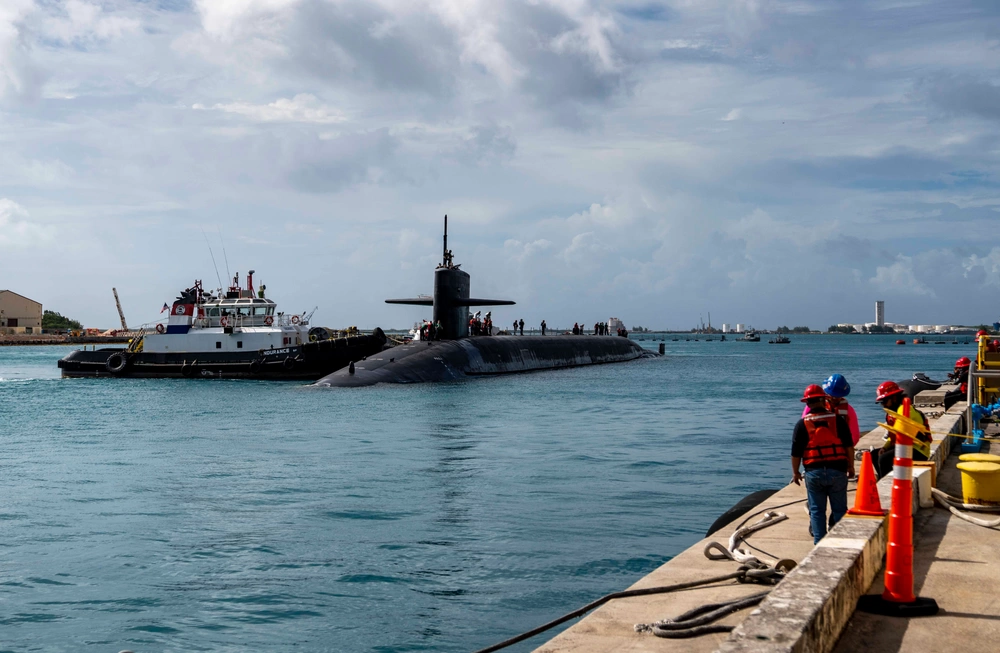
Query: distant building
{"x": 614, "y": 324}
{"x": 18, "y": 314}
{"x": 880, "y": 313}
{"x": 739, "y": 328}
{"x": 725, "y": 328}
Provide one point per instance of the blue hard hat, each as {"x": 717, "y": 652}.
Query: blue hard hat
{"x": 837, "y": 386}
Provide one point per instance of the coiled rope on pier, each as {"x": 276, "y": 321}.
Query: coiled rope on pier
{"x": 694, "y": 623}
{"x": 715, "y": 551}
{"x": 741, "y": 575}
{"x": 698, "y": 622}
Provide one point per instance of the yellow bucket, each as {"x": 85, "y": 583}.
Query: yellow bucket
{"x": 980, "y": 482}
{"x": 979, "y": 458}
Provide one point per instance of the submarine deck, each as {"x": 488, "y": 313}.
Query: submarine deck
{"x": 450, "y": 360}
{"x": 813, "y": 608}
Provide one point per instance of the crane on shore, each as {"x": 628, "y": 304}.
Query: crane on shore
{"x": 121, "y": 314}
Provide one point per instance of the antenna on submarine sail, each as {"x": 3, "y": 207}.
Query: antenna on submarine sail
{"x": 451, "y": 300}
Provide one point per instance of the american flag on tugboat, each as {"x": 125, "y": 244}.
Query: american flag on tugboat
{"x": 165, "y": 307}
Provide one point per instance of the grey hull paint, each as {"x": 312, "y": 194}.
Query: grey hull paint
{"x": 451, "y": 360}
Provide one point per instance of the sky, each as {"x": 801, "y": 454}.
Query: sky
{"x": 771, "y": 163}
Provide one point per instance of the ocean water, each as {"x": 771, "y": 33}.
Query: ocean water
{"x": 207, "y": 515}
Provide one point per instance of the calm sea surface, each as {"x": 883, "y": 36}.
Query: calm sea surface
{"x": 187, "y": 515}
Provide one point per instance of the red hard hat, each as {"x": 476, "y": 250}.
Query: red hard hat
{"x": 813, "y": 392}
{"x": 982, "y": 332}
{"x": 887, "y": 389}
{"x": 963, "y": 362}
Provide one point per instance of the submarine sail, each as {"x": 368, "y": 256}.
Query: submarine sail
{"x": 451, "y": 299}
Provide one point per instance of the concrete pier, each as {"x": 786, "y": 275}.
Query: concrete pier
{"x": 813, "y": 608}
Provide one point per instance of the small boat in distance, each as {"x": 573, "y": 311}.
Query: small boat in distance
{"x": 900, "y": 342}
{"x": 779, "y": 340}
{"x": 750, "y": 336}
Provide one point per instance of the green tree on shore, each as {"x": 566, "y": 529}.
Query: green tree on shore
{"x": 798, "y": 329}
{"x": 53, "y": 320}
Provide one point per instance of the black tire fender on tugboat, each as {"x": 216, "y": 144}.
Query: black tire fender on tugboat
{"x": 289, "y": 363}
{"x": 189, "y": 370}
{"x": 116, "y": 363}
{"x": 255, "y": 366}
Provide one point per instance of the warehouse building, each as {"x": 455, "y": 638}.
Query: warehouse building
{"x": 18, "y": 314}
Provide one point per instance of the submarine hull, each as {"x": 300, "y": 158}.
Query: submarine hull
{"x": 451, "y": 360}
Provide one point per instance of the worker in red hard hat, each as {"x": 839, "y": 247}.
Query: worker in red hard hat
{"x": 961, "y": 373}
{"x": 992, "y": 346}
{"x": 822, "y": 444}
{"x": 890, "y": 395}
{"x": 837, "y": 388}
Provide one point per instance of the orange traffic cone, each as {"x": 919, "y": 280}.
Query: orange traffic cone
{"x": 898, "y": 599}
{"x": 866, "y": 501}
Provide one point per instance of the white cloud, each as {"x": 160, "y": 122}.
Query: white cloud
{"x": 304, "y": 107}
{"x": 227, "y": 19}
{"x": 16, "y": 228}
{"x": 759, "y": 230}
{"x": 20, "y": 76}
{"x": 733, "y": 115}
{"x": 520, "y": 252}
{"x": 988, "y": 266}
{"x": 899, "y": 278}
{"x": 83, "y": 21}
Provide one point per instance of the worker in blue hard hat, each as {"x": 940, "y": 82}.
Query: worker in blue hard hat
{"x": 821, "y": 443}
{"x": 837, "y": 388}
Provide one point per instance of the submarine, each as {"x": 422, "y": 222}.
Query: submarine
{"x": 455, "y": 355}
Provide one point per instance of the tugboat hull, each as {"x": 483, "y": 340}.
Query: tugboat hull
{"x": 306, "y": 362}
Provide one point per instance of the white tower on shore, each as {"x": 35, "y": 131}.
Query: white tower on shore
{"x": 880, "y": 313}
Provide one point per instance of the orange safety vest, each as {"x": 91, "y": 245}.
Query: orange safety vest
{"x": 824, "y": 442}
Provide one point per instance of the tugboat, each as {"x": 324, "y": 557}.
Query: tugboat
{"x": 231, "y": 334}
{"x": 750, "y": 336}
{"x": 779, "y": 340}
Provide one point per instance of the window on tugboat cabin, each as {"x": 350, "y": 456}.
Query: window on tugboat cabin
{"x": 213, "y": 311}
{"x": 239, "y": 344}
{"x": 218, "y": 345}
